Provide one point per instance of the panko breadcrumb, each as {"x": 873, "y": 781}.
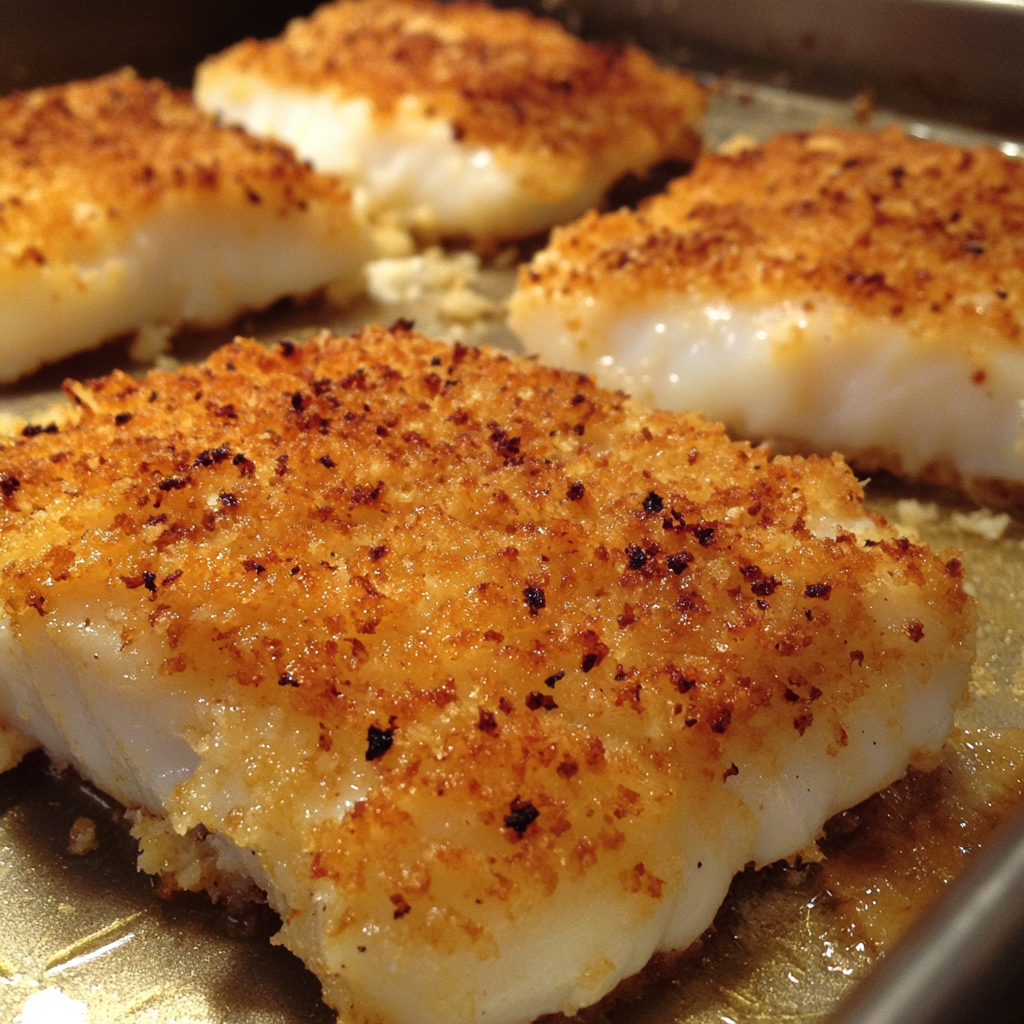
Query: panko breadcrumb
{"x": 123, "y": 206}
{"x": 458, "y": 118}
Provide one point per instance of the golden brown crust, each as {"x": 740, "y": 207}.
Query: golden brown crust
{"x": 494, "y": 584}
{"x": 81, "y": 163}
{"x": 502, "y": 78}
{"x": 925, "y": 234}
{"x": 408, "y": 461}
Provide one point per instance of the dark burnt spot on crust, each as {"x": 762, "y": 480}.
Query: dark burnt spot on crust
{"x": 764, "y": 586}
{"x": 378, "y": 742}
{"x": 653, "y": 503}
{"x": 915, "y": 630}
{"x": 401, "y": 906}
{"x": 522, "y": 814}
{"x": 551, "y": 680}
{"x": 9, "y": 483}
{"x": 818, "y": 590}
{"x": 537, "y": 700}
{"x": 679, "y": 562}
{"x": 534, "y": 599}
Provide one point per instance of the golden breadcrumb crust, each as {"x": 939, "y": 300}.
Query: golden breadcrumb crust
{"x": 502, "y": 78}
{"x": 923, "y": 233}
{"x": 81, "y": 163}
{"x": 486, "y": 580}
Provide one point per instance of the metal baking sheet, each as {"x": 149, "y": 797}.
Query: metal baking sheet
{"x": 87, "y": 938}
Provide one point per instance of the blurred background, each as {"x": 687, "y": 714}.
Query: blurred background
{"x": 959, "y": 60}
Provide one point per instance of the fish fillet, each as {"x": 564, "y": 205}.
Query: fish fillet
{"x": 122, "y": 206}
{"x": 831, "y": 291}
{"x": 458, "y": 119}
{"x": 489, "y": 678}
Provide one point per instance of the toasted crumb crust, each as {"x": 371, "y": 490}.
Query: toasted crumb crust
{"x": 502, "y": 78}
{"x": 925, "y": 234}
{"x": 397, "y": 459}
{"x": 81, "y": 163}
{"x": 466, "y": 638}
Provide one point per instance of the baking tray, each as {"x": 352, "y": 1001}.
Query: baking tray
{"x": 88, "y": 938}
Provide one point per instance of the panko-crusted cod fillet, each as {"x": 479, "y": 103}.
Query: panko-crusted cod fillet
{"x": 123, "y": 206}
{"x": 831, "y": 291}
{"x": 490, "y": 678}
{"x": 458, "y": 119}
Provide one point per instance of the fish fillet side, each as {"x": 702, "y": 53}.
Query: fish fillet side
{"x": 456, "y": 118}
{"x": 829, "y": 291}
{"x": 123, "y": 206}
{"x": 489, "y": 678}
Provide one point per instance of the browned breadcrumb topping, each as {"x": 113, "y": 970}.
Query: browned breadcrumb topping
{"x": 390, "y": 601}
{"x": 501, "y": 78}
{"x": 81, "y": 163}
{"x": 922, "y": 233}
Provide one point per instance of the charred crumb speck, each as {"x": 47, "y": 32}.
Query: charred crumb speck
{"x": 149, "y": 580}
{"x": 764, "y": 587}
{"x": 378, "y": 742}
{"x": 871, "y": 543}
{"x": 122, "y": 418}
{"x": 730, "y": 771}
{"x": 522, "y": 815}
{"x": 287, "y": 679}
{"x": 8, "y": 484}
{"x": 636, "y": 555}
{"x": 402, "y": 326}
{"x": 915, "y": 630}
{"x": 174, "y": 483}
{"x": 819, "y": 590}
{"x": 401, "y": 906}
{"x": 723, "y": 721}
{"x": 551, "y": 680}
{"x": 299, "y": 403}
{"x": 246, "y": 467}
{"x": 791, "y": 695}
{"x": 536, "y": 700}
{"x": 679, "y": 562}
{"x": 295, "y": 570}
{"x": 534, "y": 599}
{"x": 251, "y": 565}
{"x": 287, "y": 347}
{"x": 575, "y": 490}
{"x": 378, "y": 552}
{"x": 505, "y": 705}
{"x": 751, "y": 572}
{"x": 327, "y": 462}
{"x": 705, "y": 535}
{"x": 653, "y": 503}
{"x": 34, "y": 429}
{"x": 227, "y": 499}
{"x": 211, "y": 456}
{"x": 589, "y": 661}
{"x": 487, "y": 722}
